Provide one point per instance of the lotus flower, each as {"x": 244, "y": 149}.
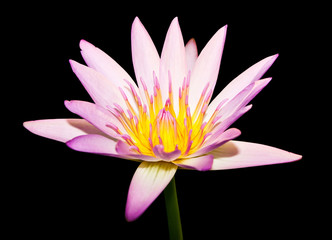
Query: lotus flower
{"x": 168, "y": 120}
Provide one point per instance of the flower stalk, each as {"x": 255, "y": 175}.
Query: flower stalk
{"x": 173, "y": 213}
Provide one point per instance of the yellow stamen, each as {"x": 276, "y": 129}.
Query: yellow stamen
{"x": 156, "y": 122}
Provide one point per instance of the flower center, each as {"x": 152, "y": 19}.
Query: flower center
{"x": 156, "y": 123}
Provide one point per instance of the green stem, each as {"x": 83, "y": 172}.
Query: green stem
{"x": 173, "y": 213}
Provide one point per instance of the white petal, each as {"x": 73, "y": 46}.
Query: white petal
{"x": 206, "y": 68}
{"x": 149, "y": 180}
{"x": 191, "y": 54}
{"x": 173, "y": 60}
{"x": 145, "y": 56}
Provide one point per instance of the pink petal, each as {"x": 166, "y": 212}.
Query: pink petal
{"x": 249, "y": 76}
{"x": 158, "y": 150}
{"x": 103, "y": 92}
{"x": 206, "y": 68}
{"x": 242, "y": 98}
{"x": 145, "y": 56}
{"x": 217, "y": 141}
{"x": 149, "y": 180}
{"x": 110, "y": 69}
{"x": 61, "y": 130}
{"x": 236, "y": 107}
{"x": 202, "y": 163}
{"x": 123, "y": 149}
{"x": 173, "y": 60}
{"x": 221, "y": 126}
{"x": 236, "y": 154}
{"x": 96, "y": 115}
{"x": 94, "y": 143}
{"x": 191, "y": 54}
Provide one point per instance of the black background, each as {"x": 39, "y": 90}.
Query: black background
{"x": 55, "y": 191}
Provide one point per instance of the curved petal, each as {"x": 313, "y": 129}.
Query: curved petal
{"x": 237, "y": 154}
{"x": 94, "y": 143}
{"x": 216, "y": 141}
{"x": 221, "y": 126}
{"x": 249, "y": 76}
{"x": 110, "y": 69}
{"x": 149, "y": 180}
{"x": 173, "y": 61}
{"x": 61, "y": 130}
{"x": 103, "y": 92}
{"x": 158, "y": 150}
{"x": 145, "y": 56}
{"x": 191, "y": 54}
{"x": 207, "y": 65}
{"x": 202, "y": 163}
{"x": 242, "y": 98}
{"x": 123, "y": 149}
{"x": 96, "y": 115}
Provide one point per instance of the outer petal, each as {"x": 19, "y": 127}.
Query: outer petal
{"x": 206, "y": 68}
{"x": 173, "y": 60}
{"x": 249, "y": 76}
{"x": 237, "y": 154}
{"x": 158, "y": 150}
{"x": 103, "y": 92}
{"x": 96, "y": 115}
{"x": 61, "y": 130}
{"x": 145, "y": 56}
{"x": 191, "y": 54}
{"x": 202, "y": 163}
{"x": 104, "y": 64}
{"x": 93, "y": 143}
{"x": 149, "y": 180}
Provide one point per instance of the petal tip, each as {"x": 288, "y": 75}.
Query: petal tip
{"x": 27, "y": 125}
{"x": 130, "y": 216}
{"x": 84, "y": 44}
{"x": 67, "y": 103}
{"x": 73, "y": 64}
{"x": 136, "y": 20}
{"x": 294, "y": 157}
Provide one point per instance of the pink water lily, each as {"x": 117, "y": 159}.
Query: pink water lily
{"x": 167, "y": 121}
